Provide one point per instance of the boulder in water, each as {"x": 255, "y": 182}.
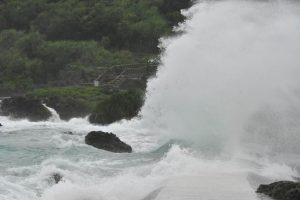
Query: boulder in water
{"x": 57, "y": 177}
{"x": 68, "y": 132}
{"x": 25, "y": 107}
{"x": 281, "y": 190}
{"x": 107, "y": 141}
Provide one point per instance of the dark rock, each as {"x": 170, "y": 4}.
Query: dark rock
{"x": 57, "y": 177}
{"x": 107, "y": 141}
{"x": 67, "y": 107}
{"x": 68, "y": 133}
{"x": 293, "y": 194}
{"x": 25, "y": 107}
{"x": 1, "y": 124}
{"x": 282, "y": 190}
{"x": 8, "y": 92}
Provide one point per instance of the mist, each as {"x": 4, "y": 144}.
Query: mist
{"x": 231, "y": 76}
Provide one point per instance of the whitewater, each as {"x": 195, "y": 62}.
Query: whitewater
{"x": 220, "y": 117}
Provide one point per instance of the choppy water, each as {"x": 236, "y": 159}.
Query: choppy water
{"x": 30, "y": 153}
{"x": 221, "y": 117}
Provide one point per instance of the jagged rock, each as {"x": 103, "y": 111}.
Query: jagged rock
{"x": 25, "y": 107}
{"x": 57, "y": 177}
{"x": 281, "y": 190}
{"x": 107, "y": 141}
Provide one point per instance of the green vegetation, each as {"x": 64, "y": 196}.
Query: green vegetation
{"x": 27, "y": 60}
{"x": 89, "y": 96}
{"x": 62, "y": 42}
{"x": 70, "y": 101}
{"x": 49, "y": 47}
{"x": 80, "y": 101}
{"x": 122, "y": 105}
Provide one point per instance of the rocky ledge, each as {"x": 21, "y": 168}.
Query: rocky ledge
{"x": 24, "y": 107}
{"x": 67, "y": 107}
{"x": 107, "y": 141}
{"x": 281, "y": 190}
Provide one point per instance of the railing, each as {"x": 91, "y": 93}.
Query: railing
{"x": 112, "y": 77}
{"x": 127, "y": 66}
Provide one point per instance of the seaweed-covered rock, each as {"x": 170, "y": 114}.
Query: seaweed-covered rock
{"x": 107, "y": 141}
{"x": 281, "y": 190}
{"x": 25, "y": 107}
{"x": 122, "y": 105}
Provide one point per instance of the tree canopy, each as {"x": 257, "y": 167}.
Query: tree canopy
{"x": 41, "y": 39}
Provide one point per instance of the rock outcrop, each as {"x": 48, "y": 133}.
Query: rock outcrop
{"x": 282, "y": 190}
{"x": 24, "y": 107}
{"x": 67, "y": 107}
{"x": 107, "y": 141}
{"x": 57, "y": 178}
{"x": 122, "y": 105}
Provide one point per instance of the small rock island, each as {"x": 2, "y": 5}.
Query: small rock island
{"x": 107, "y": 141}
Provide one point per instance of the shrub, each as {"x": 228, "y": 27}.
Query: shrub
{"x": 122, "y": 105}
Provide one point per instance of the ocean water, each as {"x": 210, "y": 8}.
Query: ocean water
{"x": 221, "y": 117}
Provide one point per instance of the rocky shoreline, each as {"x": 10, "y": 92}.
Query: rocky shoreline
{"x": 23, "y": 107}
{"x": 117, "y": 106}
{"x": 67, "y": 108}
{"x": 34, "y": 110}
{"x": 281, "y": 190}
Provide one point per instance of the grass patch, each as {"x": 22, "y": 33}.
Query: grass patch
{"x": 88, "y": 95}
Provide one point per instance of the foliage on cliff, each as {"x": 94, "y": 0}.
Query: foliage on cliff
{"x": 122, "y": 105}
{"x": 44, "y": 41}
